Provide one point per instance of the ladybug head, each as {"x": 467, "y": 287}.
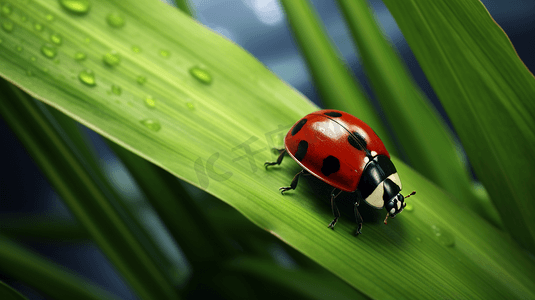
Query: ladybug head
{"x": 396, "y": 205}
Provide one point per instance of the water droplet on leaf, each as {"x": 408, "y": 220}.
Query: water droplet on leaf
{"x": 7, "y": 26}
{"x": 165, "y": 53}
{"x": 38, "y": 26}
{"x": 87, "y": 77}
{"x": 115, "y": 20}
{"x": 50, "y": 17}
{"x": 141, "y": 79}
{"x": 190, "y": 106}
{"x": 201, "y": 75}
{"x": 79, "y": 7}
{"x": 116, "y": 90}
{"x": 150, "y": 102}
{"x": 19, "y": 48}
{"x": 80, "y": 56}
{"x": 111, "y": 58}
{"x": 56, "y": 38}
{"x": 151, "y": 124}
{"x": 409, "y": 207}
{"x": 443, "y": 237}
{"x": 49, "y": 51}
{"x": 6, "y": 9}
{"x": 136, "y": 49}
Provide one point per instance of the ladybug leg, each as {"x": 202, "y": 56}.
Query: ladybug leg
{"x": 336, "y": 212}
{"x": 293, "y": 185}
{"x": 282, "y": 152}
{"x": 358, "y": 217}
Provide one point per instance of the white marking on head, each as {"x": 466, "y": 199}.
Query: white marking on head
{"x": 366, "y": 160}
{"x": 392, "y": 211}
{"x": 395, "y": 178}
{"x": 374, "y": 153}
{"x": 399, "y": 204}
{"x": 375, "y": 199}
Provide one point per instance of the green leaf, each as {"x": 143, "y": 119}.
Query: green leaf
{"x": 9, "y": 293}
{"x": 51, "y": 279}
{"x": 210, "y": 103}
{"x": 427, "y": 142}
{"x": 488, "y": 94}
{"x": 86, "y": 196}
{"x": 337, "y": 87}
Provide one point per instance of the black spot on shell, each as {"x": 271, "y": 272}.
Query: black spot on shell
{"x": 333, "y": 114}
{"x": 330, "y": 165}
{"x": 301, "y": 150}
{"x": 356, "y": 140}
{"x": 298, "y": 126}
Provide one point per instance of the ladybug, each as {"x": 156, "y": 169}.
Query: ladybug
{"x": 347, "y": 154}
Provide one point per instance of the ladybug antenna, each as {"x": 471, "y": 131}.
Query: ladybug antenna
{"x": 387, "y": 214}
{"x": 414, "y": 192}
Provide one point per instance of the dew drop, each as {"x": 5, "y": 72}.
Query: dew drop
{"x": 38, "y": 26}
{"x": 56, "y": 38}
{"x": 115, "y": 20}
{"x": 409, "y": 207}
{"x": 136, "y": 49}
{"x": 165, "y": 53}
{"x": 151, "y": 124}
{"x": 150, "y": 102}
{"x": 201, "y": 75}
{"x": 190, "y": 106}
{"x": 111, "y": 58}
{"x": 49, "y": 51}
{"x": 87, "y": 77}
{"x": 116, "y": 90}
{"x": 87, "y": 40}
{"x": 50, "y": 17}
{"x": 33, "y": 58}
{"x": 79, "y": 7}
{"x": 141, "y": 79}
{"x": 19, "y": 48}
{"x": 7, "y": 26}
{"x": 6, "y": 9}
{"x": 80, "y": 56}
{"x": 443, "y": 237}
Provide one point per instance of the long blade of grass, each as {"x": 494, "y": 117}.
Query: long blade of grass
{"x": 49, "y": 278}
{"x": 337, "y": 87}
{"x": 41, "y": 228}
{"x": 488, "y": 94}
{"x": 83, "y": 193}
{"x": 216, "y": 112}
{"x": 204, "y": 245}
{"x": 9, "y": 293}
{"x": 427, "y": 142}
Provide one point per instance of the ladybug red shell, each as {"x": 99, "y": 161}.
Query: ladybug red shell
{"x": 346, "y": 153}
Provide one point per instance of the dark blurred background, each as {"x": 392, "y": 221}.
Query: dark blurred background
{"x": 259, "y": 26}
